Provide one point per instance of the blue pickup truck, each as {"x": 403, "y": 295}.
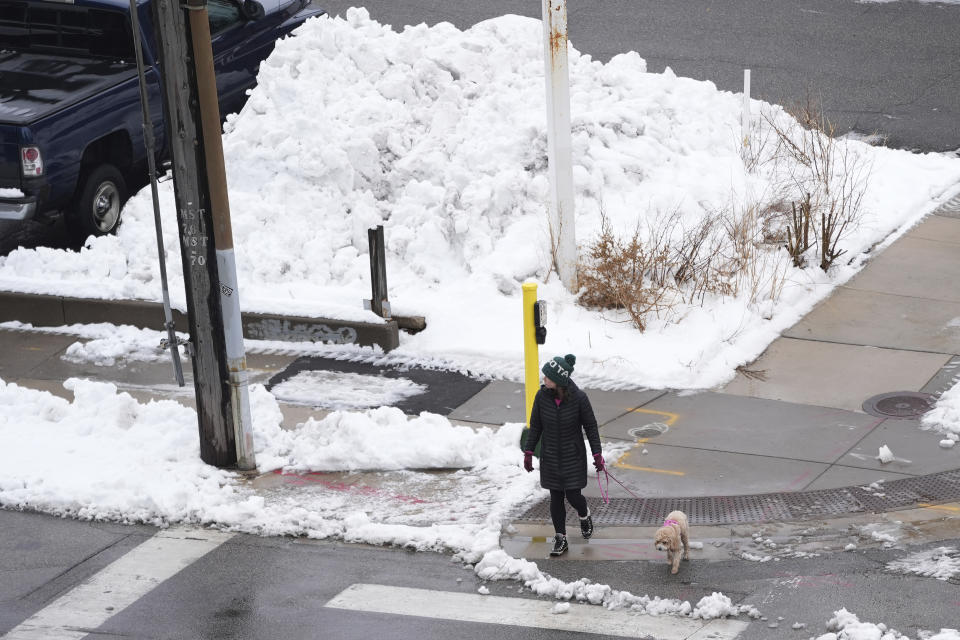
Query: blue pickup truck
{"x": 71, "y": 127}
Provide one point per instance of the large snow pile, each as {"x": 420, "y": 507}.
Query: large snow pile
{"x": 105, "y": 455}
{"x": 439, "y": 135}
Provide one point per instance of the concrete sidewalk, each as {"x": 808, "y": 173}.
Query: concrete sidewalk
{"x": 796, "y": 424}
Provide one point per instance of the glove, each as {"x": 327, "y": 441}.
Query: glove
{"x": 528, "y": 461}
{"x": 598, "y": 462}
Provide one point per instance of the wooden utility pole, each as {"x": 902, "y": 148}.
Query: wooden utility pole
{"x": 206, "y": 243}
{"x": 378, "y": 272}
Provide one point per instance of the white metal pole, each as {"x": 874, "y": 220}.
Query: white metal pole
{"x": 236, "y": 358}
{"x": 745, "y": 112}
{"x": 559, "y": 149}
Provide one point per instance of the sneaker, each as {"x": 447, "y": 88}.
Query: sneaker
{"x": 586, "y": 526}
{"x": 559, "y": 545}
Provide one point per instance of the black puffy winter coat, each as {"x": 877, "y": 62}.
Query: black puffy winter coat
{"x": 563, "y": 456}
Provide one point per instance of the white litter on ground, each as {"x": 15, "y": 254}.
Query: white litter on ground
{"x": 885, "y": 455}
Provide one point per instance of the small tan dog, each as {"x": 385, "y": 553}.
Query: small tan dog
{"x": 671, "y": 536}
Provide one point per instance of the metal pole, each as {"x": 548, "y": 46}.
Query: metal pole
{"x": 222, "y": 232}
{"x": 745, "y": 111}
{"x": 531, "y": 352}
{"x": 562, "y": 226}
{"x": 152, "y": 167}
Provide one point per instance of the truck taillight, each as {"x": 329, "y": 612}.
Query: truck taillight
{"x": 31, "y": 161}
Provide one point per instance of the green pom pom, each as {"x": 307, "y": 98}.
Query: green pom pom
{"x": 571, "y": 359}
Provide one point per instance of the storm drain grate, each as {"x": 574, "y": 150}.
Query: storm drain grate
{"x": 899, "y": 404}
{"x": 824, "y": 502}
{"x": 768, "y": 507}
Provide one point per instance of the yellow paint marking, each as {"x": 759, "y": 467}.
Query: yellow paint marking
{"x": 669, "y": 419}
{"x": 938, "y": 507}
{"x": 538, "y": 539}
{"x": 623, "y": 465}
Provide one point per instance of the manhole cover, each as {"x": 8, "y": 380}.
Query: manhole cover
{"x": 899, "y": 404}
{"x": 651, "y": 430}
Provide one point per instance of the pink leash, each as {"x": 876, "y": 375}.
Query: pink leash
{"x": 605, "y": 491}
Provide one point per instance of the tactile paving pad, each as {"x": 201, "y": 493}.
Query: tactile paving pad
{"x": 767, "y": 507}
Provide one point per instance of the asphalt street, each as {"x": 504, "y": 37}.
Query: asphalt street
{"x": 253, "y": 587}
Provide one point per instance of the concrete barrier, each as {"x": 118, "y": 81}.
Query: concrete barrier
{"x": 55, "y": 311}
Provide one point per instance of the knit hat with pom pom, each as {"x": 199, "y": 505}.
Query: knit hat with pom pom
{"x": 559, "y": 369}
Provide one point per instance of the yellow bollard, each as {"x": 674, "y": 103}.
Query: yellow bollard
{"x": 531, "y": 352}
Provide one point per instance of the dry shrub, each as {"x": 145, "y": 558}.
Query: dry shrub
{"x": 737, "y": 251}
{"x": 828, "y": 178}
{"x": 798, "y": 233}
{"x": 721, "y": 254}
{"x": 621, "y": 275}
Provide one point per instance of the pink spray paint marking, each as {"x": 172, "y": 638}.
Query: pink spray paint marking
{"x": 313, "y": 478}
{"x": 799, "y": 479}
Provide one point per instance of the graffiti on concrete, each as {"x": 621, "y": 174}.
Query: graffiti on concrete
{"x": 283, "y": 329}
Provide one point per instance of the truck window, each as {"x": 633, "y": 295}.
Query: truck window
{"x": 67, "y": 29}
{"x": 223, "y": 14}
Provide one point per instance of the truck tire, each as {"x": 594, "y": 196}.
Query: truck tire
{"x": 97, "y": 210}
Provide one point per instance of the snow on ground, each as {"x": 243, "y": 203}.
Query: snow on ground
{"x": 109, "y": 344}
{"x": 945, "y": 416}
{"x": 888, "y": 534}
{"x": 847, "y": 626}
{"x": 439, "y": 135}
{"x": 106, "y": 456}
{"x": 942, "y": 563}
{"x": 338, "y": 390}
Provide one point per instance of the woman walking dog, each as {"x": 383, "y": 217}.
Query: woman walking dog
{"x": 561, "y": 414}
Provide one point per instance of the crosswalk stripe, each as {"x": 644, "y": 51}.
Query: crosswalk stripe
{"x": 88, "y": 605}
{"x": 528, "y": 612}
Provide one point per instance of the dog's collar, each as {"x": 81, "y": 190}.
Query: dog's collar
{"x": 667, "y": 523}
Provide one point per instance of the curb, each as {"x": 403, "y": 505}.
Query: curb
{"x": 56, "y": 311}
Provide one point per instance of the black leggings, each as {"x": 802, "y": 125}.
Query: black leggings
{"x": 558, "y": 508}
